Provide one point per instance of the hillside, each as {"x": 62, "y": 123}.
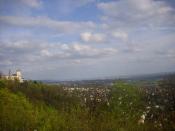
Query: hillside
{"x": 128, "y": 106}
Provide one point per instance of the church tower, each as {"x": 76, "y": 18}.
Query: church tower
{"x": 19, "y": 75}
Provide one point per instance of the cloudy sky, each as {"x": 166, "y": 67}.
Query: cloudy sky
{"x": 86, "y": 39}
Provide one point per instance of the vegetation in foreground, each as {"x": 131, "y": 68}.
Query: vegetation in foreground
{"x": 35, "y": 106}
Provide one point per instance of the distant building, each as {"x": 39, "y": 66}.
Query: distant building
{"x": 16, "y": 76}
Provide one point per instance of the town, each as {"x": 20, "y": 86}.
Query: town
{"x": 148, "y": 101}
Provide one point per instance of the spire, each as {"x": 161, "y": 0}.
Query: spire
{"x": 9, "y": 73}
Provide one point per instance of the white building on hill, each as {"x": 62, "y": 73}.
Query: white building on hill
{"x": 16, "y": 76}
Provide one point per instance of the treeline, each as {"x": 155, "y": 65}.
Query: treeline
{"x": 36, "y": 106}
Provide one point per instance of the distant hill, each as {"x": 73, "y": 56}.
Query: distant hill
{"x": 109, "y": 80}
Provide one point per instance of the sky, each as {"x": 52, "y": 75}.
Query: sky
{"x": 87, "y": 39}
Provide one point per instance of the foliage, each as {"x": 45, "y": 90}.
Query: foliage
{"x": 36, "y": 106}
{"x": 16, "y": 112}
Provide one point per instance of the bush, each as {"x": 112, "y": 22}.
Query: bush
{"x": 16, "y": 112}
{"x": 2, "y": 84}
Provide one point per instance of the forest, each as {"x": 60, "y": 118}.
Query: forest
{"x": 131, "y": 106}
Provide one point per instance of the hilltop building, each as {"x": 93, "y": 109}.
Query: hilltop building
{"x": 16, "y": 76}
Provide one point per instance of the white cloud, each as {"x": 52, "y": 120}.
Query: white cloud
{"x": 21, "y": 52}
{"x": 120, "y": 34}
{"x": 76, "y": 61}
{"x": 62, "y": 26}
{"x": 45, "y": 52}
{"x": 6, "y": 62}
{"x": 137, "y": 13}
{"x": 85, "y": 51}
{"x": 65, "y": 47}
{"x": 92, "y": 37}
{"x": 32, "y": 3}
{"x": 171, "y": 53}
